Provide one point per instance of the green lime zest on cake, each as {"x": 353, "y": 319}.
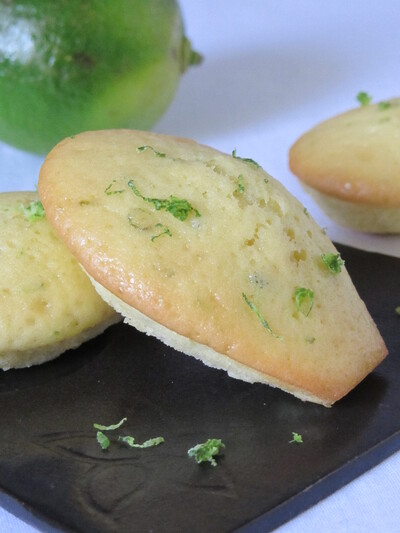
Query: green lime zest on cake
{"x": 165, "y": 231}
{"x": 364, "y": 98}
{"x": 108, "y": 190}
{"x": 34, "y": 211}
{"x": 245, "y": 159}
{"x": 141, "y": 149}
{"x": 178, "y": 207}
{"x": 304, "y": 300}
{"x": 240, "y": 185}
{"x": 333, "y": 261}
{"x": 384, "y": 105}
{"x": 259, "y": 316}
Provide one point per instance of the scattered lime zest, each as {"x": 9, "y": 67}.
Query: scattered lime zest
{"x": 333, "y": 261}
{"x": 141, "y": 149}
{"x": 103, "y": 440}
{"x": 259, "y": 316}
{"x": 165, "y": 231}
{"x": 245, "y": 159}
{"x": 266, "y": 181}
{"x": 108, "y": 190}
{"x": 178, "y": 207}
{"x": 84, "y": 202}
{"x": 130, "y": 441}
{"x": 364, "y": 98}
{"x": 384, "y": 105}
{"x": 296, "y": 437}
{"x": 206, "y": 451}
{"x": 34, "y": 211}
{"x": 111, "y": 427}
{"x": 305, "y": 211}
{"x": 304, "y": 300}
{"x": 240, "y": 185}
{"x": 310, "y": 339}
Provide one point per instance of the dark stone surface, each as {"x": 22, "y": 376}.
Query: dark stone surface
{"x": 51, "y": 463}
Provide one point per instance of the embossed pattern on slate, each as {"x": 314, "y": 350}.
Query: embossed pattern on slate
{"x": 50, "y": 460}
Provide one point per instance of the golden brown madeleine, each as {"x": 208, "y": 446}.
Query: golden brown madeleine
{"x": 350, "y": 164}
{"x": 212, "y": 255}
{"x": 47, "y": 303}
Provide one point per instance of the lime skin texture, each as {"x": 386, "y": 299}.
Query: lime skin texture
{"x": 68, "y": 66}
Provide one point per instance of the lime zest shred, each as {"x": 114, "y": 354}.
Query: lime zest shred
{"x": 240, "y": 185}
{"x": 165, "y": 231}
{"x": 397, "y": 310}
{"x": 34, "y": 211}
{"x": 304, "y": 300}
{"x": 177, "y": 207}
{"x": 141, "y": 149}
{"x": 364, "y": 98}
{"x": 245, "y": 159}
{"x": 296, "y": 437}
{"x": 384, "y": 105}
{"x": 259, "y": 316}
{"x": 108, "y": 190}
{"x": 206, "y": 451}
{"x": 103, "y": 440}
{"x": 333, "y": 261}
{"x": 130, "y": 441}
{"x": 111, "y": 427}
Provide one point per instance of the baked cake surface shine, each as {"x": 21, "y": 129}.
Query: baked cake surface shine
{"x": 212, "y": 255}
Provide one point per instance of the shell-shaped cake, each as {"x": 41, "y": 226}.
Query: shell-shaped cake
{"x": 47, "y": 303}
{"x": 350, "y": 164}
{"x": 213, "y": 256}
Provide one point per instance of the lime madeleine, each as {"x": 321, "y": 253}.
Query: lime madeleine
{"x": 74, "y": 65}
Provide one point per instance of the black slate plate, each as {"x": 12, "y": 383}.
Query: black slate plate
{"x": 51, "y": 463}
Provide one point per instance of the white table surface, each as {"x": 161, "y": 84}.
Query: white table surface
{"x": 272, "y": 69}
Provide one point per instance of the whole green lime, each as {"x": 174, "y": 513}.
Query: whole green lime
{"x": 68, "y": 66}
